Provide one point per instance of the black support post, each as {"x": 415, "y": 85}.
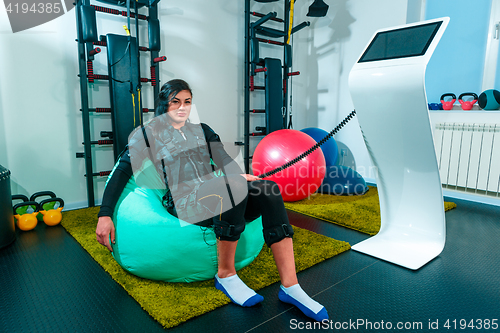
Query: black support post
{"x": 153, "y": 15}
{"x": 247, "y": 88}
{"x": 285, "y": 66}
{"x": 82, "y": 57}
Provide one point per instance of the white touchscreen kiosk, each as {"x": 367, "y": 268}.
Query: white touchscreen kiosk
{"x": 387, "y": 87}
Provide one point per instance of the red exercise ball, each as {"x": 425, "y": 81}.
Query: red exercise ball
{"x": 298, "y": 181}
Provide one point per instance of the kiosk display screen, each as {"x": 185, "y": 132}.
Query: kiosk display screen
{"x": 401, "y": 43}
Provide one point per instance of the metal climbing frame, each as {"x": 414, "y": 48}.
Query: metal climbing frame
{"x": 89, "y": 44}
{"x": 277, "y": 72}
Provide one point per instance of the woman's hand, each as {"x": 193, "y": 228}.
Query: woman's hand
{"x": 105, "y": 227}
{"x": 250, "y": 178}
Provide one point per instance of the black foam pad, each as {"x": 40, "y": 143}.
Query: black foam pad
{"x": 154, "y": 35}
{"x": 270, "y": 32}
{"x": 274, "y": 95}
{"x": 89, "y": 25}
{"x": 123, "y": 70}
{"x": 254, "y": 44}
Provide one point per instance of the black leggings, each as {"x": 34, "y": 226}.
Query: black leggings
{"x": 233, "y": 204}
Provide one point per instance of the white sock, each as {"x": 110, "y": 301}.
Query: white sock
{"x": 300, "y": 295}
{"x": 237, "y": 290}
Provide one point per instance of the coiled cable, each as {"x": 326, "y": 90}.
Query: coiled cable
{"x": 313, "y": 148}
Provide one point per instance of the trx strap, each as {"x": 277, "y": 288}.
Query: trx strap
{"x": 290, "y": 26}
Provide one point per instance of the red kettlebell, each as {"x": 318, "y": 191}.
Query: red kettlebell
{"x": 467, "y": 105}
{"x": 449, "y": 104}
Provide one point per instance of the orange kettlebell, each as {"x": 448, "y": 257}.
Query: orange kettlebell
{"x": 27, "y": 221}
{"x": 52, "y": 217}
{"x": 35, "y": 197}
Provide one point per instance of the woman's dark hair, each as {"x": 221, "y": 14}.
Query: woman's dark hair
{"x": 168, "y": 92}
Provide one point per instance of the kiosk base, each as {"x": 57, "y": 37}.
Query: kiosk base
{"x": 409, "y": 249}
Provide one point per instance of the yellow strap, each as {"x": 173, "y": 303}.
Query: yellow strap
{"x": 133, "y": 103}
{"x": 126, "y": 30}
{"x": 290, "y": 26}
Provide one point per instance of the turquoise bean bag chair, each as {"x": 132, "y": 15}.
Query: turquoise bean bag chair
{"x": 151, "y": 243}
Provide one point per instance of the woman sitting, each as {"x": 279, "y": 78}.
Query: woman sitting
{"x": 182, "y": 153}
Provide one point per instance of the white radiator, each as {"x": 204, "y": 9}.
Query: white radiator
{"x": 469, "y": 157}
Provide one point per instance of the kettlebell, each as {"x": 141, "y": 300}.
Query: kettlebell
{"x": 467, "y": 105}
{"x": 27, "y": 221}
{"x": 37, "y": 195}
{"x": 52, "y": 217}
{"x": 20, "y": 197}
{"x": 449, "y": 104}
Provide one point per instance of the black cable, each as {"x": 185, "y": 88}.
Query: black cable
{"x": 124, "y": 54}
{"x": 313, "y": 148}
{"x": 128, "y": 44}
{"x": 119, "y": 81}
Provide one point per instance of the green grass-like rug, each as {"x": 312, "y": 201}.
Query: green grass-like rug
{"x": 361, "y": 213}
{"x": 173, "y": 303}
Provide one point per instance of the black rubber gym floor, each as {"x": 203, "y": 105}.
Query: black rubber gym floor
{"x": 48, "y": 283}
